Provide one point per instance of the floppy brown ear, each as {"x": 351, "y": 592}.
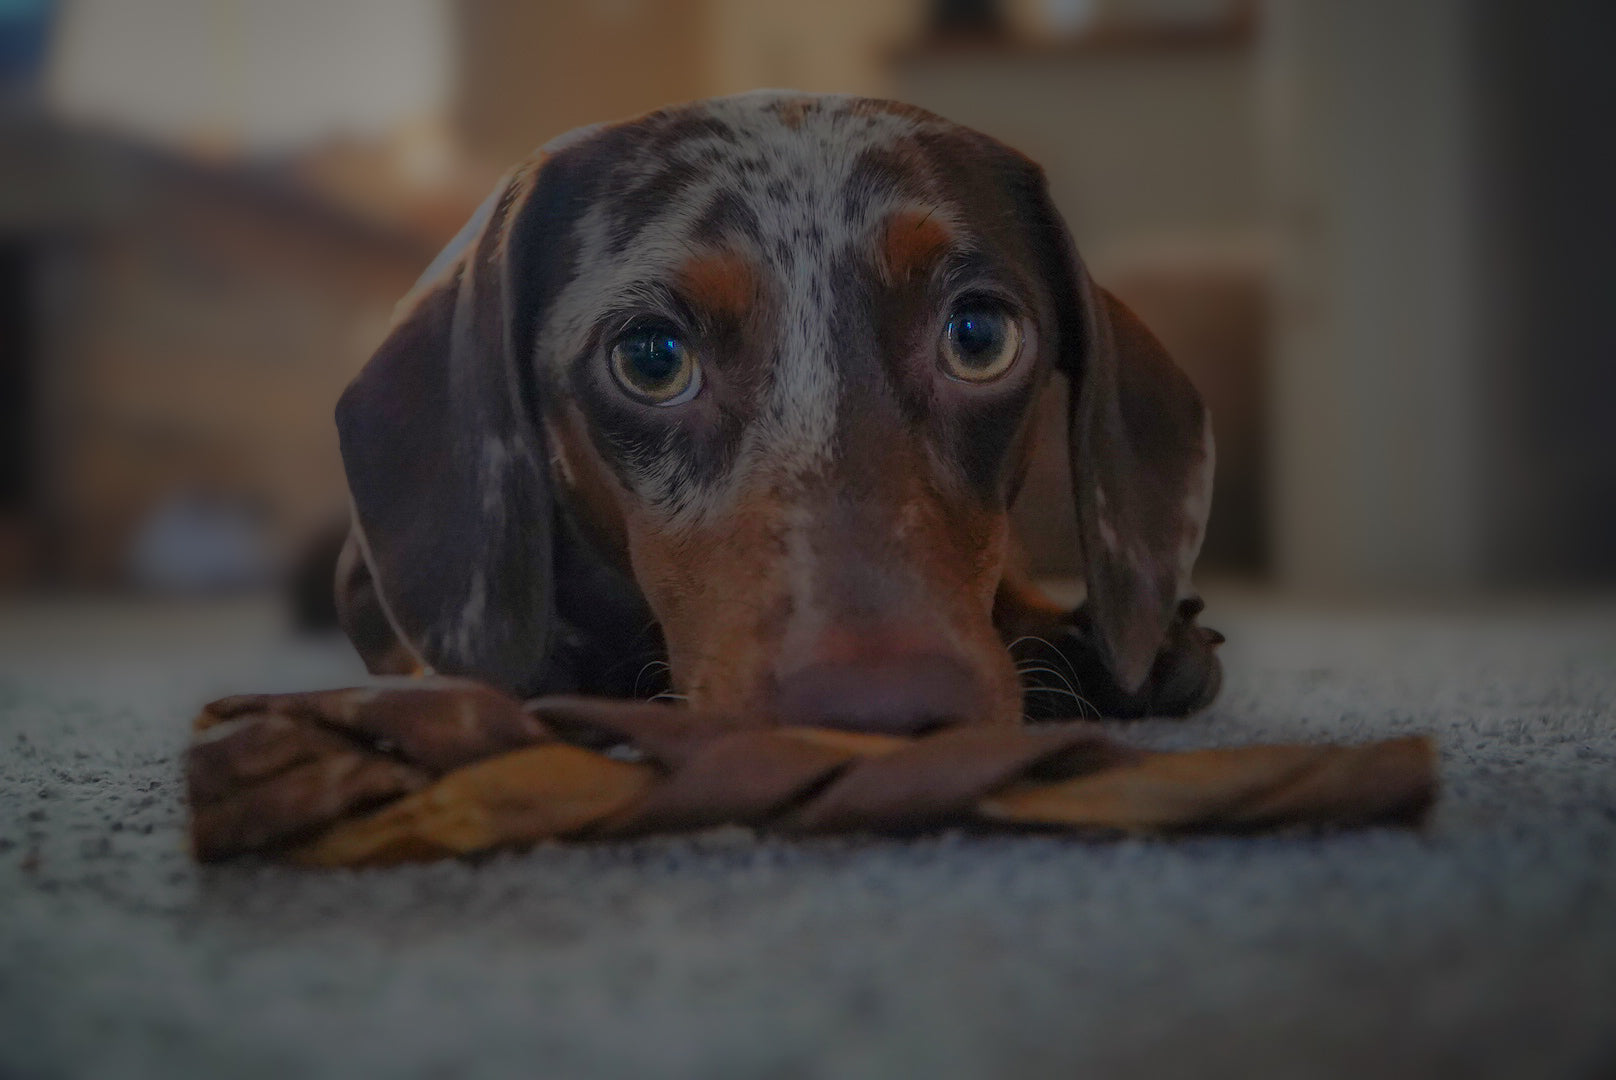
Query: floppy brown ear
{"x": 445, "y": 462}
{"x": 1142, "y": 453}
{"x": 1141, "y": 471}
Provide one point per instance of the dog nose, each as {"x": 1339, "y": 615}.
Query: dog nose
{"x": 901, "y": 695}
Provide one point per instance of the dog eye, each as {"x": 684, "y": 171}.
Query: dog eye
{"x": 981, "y": 341}
{"x": 654, "y": 366}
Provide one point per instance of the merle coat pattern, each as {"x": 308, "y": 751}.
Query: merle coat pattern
{"x": 821, "y": 533}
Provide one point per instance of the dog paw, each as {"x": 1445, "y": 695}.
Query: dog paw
{"x": 1066, "y": 674}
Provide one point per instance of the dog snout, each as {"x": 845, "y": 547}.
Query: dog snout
{"x": 900, "y": 695}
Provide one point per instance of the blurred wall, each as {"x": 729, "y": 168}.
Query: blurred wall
{"x": 840, "y": 46}
{"x": 528, "y": 72}
{"x": 1375, "y": 376}
{"x": 1443, "y": 378}
{"x": 235, "y": 75}
{"x": 1546, "y": 173}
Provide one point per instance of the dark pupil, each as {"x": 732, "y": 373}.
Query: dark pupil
{"x": 653, "y": 357}
{"x": 978, "y": 334}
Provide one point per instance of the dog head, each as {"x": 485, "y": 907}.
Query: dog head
{"x": 774, "y": 359}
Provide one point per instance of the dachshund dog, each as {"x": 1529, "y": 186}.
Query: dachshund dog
{"x": 741, "y": 392}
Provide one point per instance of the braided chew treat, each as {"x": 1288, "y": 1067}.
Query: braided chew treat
{"x": 425, "y": 769}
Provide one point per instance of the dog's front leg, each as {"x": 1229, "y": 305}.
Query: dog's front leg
{"x": 1065, "y": 668}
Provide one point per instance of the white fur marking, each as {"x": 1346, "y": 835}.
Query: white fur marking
{"x": 1197, "y": 506}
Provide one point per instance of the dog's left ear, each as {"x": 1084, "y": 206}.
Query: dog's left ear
{"x": 447, "y": 472}
{"x": 1141, "y": 451}
{"x": 1142, "y": 456}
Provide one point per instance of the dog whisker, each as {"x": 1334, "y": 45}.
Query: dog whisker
{"x": 1041, "y": 669}
{"x": 1066, "y": 688}
{"x": 1083, "y": 704}
{"x": 654, "y": 667}
{"x": 1060, "y": 656}
{"x": 1045, "y": 642}
{"x": 1060, "y": 690}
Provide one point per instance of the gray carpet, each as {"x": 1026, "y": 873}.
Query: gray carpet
{"x": 1485, "y": 947}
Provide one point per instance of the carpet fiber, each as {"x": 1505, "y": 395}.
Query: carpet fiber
{"x": 1485, "y": 946}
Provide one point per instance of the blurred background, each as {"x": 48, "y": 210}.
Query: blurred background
{"x": 1377, "y": 235}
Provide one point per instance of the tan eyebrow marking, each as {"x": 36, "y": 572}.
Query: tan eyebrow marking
{"x": 721, "y": 282}
{"x": 794, "y": 111}
{"x": 912, "y": 241}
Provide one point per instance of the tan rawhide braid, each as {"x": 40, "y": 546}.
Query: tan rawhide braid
{"x": 426, "y": 769}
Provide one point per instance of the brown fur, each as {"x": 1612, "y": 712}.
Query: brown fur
{"x": 721, "y": 282}
{"x": 721, "y": 628}
{"x": 595, "y": 492}
{"x": 911, "y": 244}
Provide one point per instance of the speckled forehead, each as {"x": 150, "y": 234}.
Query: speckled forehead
{"x": 795, "y": 176}
{"x": 796, "y": 184}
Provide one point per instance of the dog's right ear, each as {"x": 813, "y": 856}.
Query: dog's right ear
{"x": 444, "y": 456}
